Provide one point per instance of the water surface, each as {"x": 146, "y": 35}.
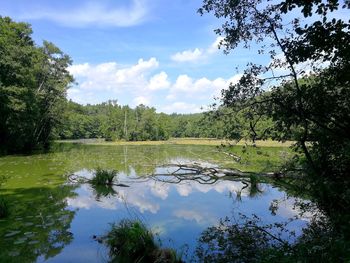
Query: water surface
{"x": 54, "y": 220}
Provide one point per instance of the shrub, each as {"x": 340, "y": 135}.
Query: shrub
{"x": 104, "y": 177}
{"x": 131, "y": 241}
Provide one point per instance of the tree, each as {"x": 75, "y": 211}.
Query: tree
{"x": 33, "y": 84}
{"x": 310, "y": 99}
{"x": 294, "y": 100}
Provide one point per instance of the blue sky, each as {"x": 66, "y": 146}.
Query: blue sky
{"x": 161, "y": 53}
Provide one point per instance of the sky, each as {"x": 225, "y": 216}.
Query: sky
{"x": 160, "y": 53}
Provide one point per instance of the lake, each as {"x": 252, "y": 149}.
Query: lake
{"x": 54, "y": 219}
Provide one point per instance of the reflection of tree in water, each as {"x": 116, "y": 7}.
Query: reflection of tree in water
{"x": 197, "y": 173}
{"x": 38, "y": 225}
{"x": 251, "y": 239}
{"x": 248, "y": 239}
{"x": 103, "y": 191}
{"x": 242, "y": 240}
{"x": 129, "y": 159}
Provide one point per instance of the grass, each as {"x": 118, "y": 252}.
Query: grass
{"x": 183, "y": 141}
{"x": 131, "y": 241}
{"x": 4, "y": 209}
{"x": 257, "y": 159}
{"x": 104, "y": 177}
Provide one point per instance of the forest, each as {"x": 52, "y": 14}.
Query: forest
{"x": 308, "y": 104}
{"x": 115, "y": 122}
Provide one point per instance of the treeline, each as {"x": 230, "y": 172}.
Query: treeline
{"x": 112, "y": 121}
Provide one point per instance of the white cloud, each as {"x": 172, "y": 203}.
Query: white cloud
{"x": 137, "y": 84}
{"x": 108, "y": 76}
{"x": 187, "y": 55}
{"x": 281, "y": 68}
{"x": 159, "y": 81}
{"x": 215, "y": 46}
{"x": 199, "y": 88}
{"x": 183, "y": 83}
{"x": 181, "y": 107}
{"x": 136, "y": 71}
{"x": 160, "y": 190}
{"x": 184, "y": 189}
{"x": 197, "y": 54}
{"x": 95, "y": 14}
{"x": 141, "y": 100}
{"x": 79, "y": 70}
{"x": 189, "y": 215}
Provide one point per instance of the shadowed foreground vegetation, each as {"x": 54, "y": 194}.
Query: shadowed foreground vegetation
{"x": 131, "y": 241}
{"x": 248, "y": 239}
{"x": 4, "y": 208}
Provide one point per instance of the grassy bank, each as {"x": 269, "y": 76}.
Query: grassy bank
{"x": 181, "y": 141}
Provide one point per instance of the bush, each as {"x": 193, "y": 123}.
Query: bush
{"x": 104, "y": 177}
{"x": 131, "y": 241}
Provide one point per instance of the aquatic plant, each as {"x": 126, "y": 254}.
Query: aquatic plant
{"x": 4, "y": 208}
{"x": 131, "y": 241}
{"x": 104, "y": 177}
{"x": 103, "y": 190}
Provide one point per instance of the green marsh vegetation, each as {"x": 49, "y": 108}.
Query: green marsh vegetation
{"x": 103, "y": 181}
{"x": 104, "y": 177}
{"x": 131, "y": 241}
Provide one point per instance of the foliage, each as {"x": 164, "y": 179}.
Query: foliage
{"x": 131, "y": 241}
{"x": 246, "y": 240}
{"x": 115, "y": 122}
{"x": 249, "y": 240}
{"x": 314, "y": 105}
{"x": 304, "y": 90}
{"x": 104, "y": 177}
{"x": 33, "y": 84}
{"x": 4, "y": 208}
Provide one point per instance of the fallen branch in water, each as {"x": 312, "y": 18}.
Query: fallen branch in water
{"x": 209, "y": 175}
{"x": 236, "y": 158}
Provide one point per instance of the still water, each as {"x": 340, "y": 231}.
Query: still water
{"x": 54, "y": 220}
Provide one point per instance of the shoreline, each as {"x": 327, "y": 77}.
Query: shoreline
{"x": 182, "y": 141}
